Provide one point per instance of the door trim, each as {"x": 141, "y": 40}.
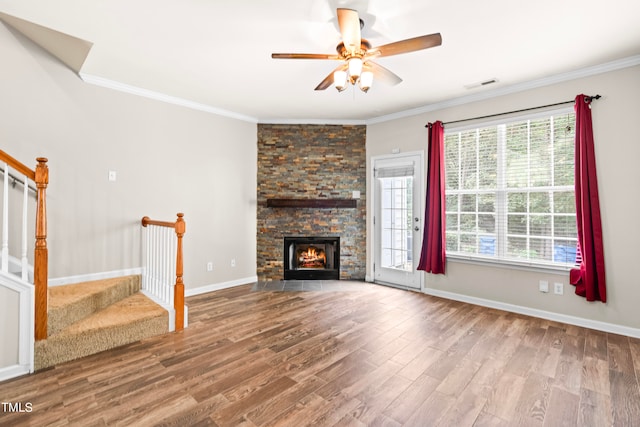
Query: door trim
{"x": 419, "y": 203}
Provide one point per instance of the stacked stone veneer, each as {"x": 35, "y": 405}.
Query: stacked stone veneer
{"x": 311, "y": 162}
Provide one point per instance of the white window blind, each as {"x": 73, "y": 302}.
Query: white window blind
{"x": 394, "y": 171}
{"x": 510, "y": 191}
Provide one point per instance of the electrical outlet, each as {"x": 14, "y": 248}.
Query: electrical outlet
{"x": 112, "y": 176}
{"x": 233, "y": 262}
{"x": 209, "y": 266}
{"x": 558, "y": 288}
{"x": 543, "y": 285}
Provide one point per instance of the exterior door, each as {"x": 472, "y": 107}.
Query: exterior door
{"x": 397, "y": 219}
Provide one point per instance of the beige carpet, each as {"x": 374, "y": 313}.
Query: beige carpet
{"x": 70, "y": 303}
{"x": 90, "y": 317}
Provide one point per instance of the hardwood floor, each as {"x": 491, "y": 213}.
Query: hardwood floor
{"x": 362, "y": 355}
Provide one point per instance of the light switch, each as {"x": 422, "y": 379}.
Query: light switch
{"x": 543, "y": 286}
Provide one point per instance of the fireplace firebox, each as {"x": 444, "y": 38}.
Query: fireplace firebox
{"x": 312, "y": 258}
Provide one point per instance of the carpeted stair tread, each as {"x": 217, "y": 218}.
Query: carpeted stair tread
{"x": 68, "y": 294}
{"x": 128, "y": 310}
{"x": 131, "y": 319}
{"x": 71, "y": 303}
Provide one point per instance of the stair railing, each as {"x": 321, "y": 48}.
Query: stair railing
{"x": 40, "y": 176}
{"x": 162, "y": 278}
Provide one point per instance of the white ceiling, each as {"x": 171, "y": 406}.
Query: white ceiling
{"x": 216, "y": 54}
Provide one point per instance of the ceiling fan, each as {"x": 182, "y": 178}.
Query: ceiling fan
{"x": 356, "y": 55}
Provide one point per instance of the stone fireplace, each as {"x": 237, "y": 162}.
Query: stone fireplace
{"x": 311, "y": 183}
{"x": 311, "y": 258}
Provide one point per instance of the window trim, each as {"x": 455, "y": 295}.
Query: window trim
{"x": 487, "y": 261}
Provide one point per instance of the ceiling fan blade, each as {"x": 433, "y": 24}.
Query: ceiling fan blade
{"x": 382, "y": 74}
{"x": 305, "y": 56}
{"x": 349, "y": 23}
{"x": 328, "y": 81}
{"x": 408, "y": 45}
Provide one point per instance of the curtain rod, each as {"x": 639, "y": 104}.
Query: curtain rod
{"x": 588, "y": 99}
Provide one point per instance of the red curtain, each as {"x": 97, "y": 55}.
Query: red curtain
{"x": 432, "y": 257}
{"x": 589, "y": 278}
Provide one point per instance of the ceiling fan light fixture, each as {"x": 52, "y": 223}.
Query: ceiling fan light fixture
{"x": 340, "y": 80}
{"x": 366, "y": 80}
{"x": 356, "y": 53}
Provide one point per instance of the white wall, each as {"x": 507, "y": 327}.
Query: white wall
{"x": 9, "y": 301}
{"x": 168, "y": 159}
{"x": 615, "y": 119}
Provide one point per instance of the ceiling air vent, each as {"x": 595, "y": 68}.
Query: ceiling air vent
{"x": 482, "y": 83}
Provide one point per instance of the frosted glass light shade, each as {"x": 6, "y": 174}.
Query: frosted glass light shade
{"x": 355, "y": 68}
{"x": 340, "y": 80}
{"x": 366, "y": 80}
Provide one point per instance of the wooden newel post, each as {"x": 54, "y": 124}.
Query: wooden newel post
{"x": 178, "y": 297}
{"x": 41, "y": 255}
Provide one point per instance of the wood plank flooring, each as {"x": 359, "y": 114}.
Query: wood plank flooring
{"x": 362, "y": 355}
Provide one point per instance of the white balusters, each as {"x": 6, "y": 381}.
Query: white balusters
{"x": 10, "y": 264}
{"x": 160, "y": 258}
{"x": 5, "y": 221}
{"x": 25, "y": 206}
{"x": 162, "y": 278}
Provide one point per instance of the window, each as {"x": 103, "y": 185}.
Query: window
{"x": 396, "y": 184}
{"x": 510, "y": 191}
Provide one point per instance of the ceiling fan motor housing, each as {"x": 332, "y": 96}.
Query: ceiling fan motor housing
{"x": 344, "y": 52}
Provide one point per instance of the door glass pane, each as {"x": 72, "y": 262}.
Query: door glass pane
{"x": 397, "y": 211}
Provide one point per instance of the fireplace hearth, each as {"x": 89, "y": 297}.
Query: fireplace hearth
{"x": 312, "y": 258}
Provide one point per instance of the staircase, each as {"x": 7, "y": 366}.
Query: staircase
{"x": 90, "y": 317}
{"x": 68, "y": 322}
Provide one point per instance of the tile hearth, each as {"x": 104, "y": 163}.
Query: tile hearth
{"x": 310, "y": 285}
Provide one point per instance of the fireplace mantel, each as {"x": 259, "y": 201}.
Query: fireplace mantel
{"x": 311, "y": 203}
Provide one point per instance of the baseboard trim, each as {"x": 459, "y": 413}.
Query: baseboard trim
{"x": 69, "y": 280}
{"x": 13, "y": 371}
{"x": 219, "y": 286}
{"x": 548, "y": 315}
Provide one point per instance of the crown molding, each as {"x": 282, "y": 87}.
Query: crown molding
{"x": 312, "y": 122}
{"x": 520, "y": 87}
{"x": 158, "y": 96}
{"x": 134, "y": 90}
